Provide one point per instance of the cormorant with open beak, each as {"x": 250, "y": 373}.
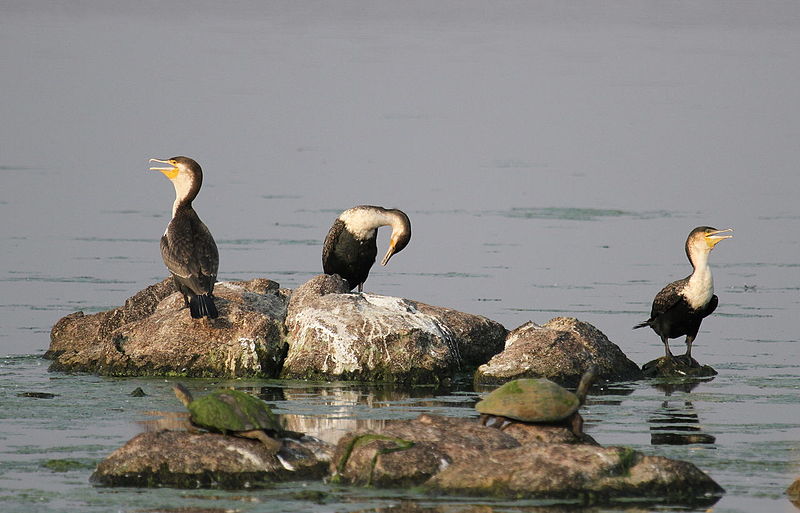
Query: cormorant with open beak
{"x": 350, "y": 248}
{"x": 681, "y": 306}
{"x": 187, "y": 247}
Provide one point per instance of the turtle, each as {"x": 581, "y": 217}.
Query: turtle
{"x": 536, "y": 401}
{"x": 232, "y": 412}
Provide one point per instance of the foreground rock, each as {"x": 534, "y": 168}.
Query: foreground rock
{"x": 793, "y": 492}
{"x": 463, "y": 457}
{"x": 335, "y": 334}
{"x": 585, "y": 473}
{"x": 561, "y": 351}
{"x": 154, "y": 335}
{"x": 190, "y": 460}
{"x": 677, "y": 367}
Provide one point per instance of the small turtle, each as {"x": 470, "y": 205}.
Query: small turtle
{"x": 232, "y": 412}
{"x": 536, "y": 401}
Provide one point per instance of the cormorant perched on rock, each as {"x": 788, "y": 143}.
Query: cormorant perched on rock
{"x": 187, "y": 247}
{"x": 681, "y": 306}
{"x": 350, "y": 248}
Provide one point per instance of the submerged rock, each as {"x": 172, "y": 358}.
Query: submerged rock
{"x": 152, "y": 334}
{"x": 561, "y": 351}
{"x": 677, "y": 367}
{"x": 461, "y": 456}
{"x": 335, "y": 334}
{"x": 205, "y": 460}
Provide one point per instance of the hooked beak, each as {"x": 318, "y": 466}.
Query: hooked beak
{"x": 714, "y": 238}
{"x": 388, "y": 254}
{"x": 170, "y": 172}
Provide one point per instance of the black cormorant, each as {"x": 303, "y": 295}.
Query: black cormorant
{"x": 350, "y": 247}
{"x": 187, "y": 247}
{"x": 681, "y": 306}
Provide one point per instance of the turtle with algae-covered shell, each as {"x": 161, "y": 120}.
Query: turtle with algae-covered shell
{"x": 232, "y": 412}
{"x": 536, "y": 401}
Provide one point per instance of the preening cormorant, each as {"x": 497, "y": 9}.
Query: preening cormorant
{"x": 350, "y": 248}
{"x": 187, "y": 247}
{"x": 681, "y": 306}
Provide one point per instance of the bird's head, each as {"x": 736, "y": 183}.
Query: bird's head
{"x": 401, "y": 234}
{"x": 184, "y": 173}
{"x": 703, "y": 239}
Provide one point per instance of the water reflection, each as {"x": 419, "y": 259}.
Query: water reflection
{"x": 169, "y": 420}
{"x": 330, "y": 410}
{"x": 676, "y": 422}
{"x": 532, "y": 506}
{"x": 415, "y": 507}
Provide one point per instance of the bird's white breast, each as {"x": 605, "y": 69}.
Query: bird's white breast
{"x": 700, "y": 288}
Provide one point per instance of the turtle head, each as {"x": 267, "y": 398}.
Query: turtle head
{"x": 182, "y": 393}
{"x": 586, "y": 381}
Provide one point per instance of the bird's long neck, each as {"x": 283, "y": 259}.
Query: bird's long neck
{"x": 700, "y": 288}
{"x": 363, "y": 222}
{"x": 186, "y": 190}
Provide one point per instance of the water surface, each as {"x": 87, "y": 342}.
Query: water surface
{"x": 552, "y": 158}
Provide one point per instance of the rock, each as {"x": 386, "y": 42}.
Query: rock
{"x": 335, "y": 334}
{"x": 190, "y": 460}
{"x": 546, "y": 434}
{"x": 793, "y": 492}
{"x": 591, "y": 474}
{"x": 409, "y": 452}
{"x": 676, "y": 367}
{"x": 37, "y": 395}
{"x": 561, "y": 351}
{"x": 153, "y": 334}
{"x": 461, "y": 456}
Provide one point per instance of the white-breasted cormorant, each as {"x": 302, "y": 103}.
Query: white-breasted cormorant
{"x": 681, "y": 306}
{"x": 187, "y": 247}
{"x": 350, "y": 248}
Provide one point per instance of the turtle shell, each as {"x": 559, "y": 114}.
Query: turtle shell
{"x": 232, "y": 411}
{"x": 530, "y": 400}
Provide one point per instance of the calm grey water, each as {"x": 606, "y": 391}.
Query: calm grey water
{"x": 552, "y": 157}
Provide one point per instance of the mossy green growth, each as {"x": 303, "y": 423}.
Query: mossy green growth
{"x": 627, "y": 459}
{"x": 530, "y": 400}
{"x": 231, "y": 411}
{"x": 400, "y": 445}
{"x": 66, "y": 465}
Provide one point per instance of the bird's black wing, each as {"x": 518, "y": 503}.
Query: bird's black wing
{"x": 711, "y": 306}
{"x": 190, "y": 253}
{"x": 668, "y": 297}
{"x": 330, "y": 244}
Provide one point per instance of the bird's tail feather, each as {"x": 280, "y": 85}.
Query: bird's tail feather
{"x": 642, "y": 324}
{"x": 203, "y": 306}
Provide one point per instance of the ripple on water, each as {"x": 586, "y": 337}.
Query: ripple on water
{"x": 67, "y": 279}
{"x": 115, "y": 239}
{"x": 243, "y": 243}
{"x": 577, "y": 213}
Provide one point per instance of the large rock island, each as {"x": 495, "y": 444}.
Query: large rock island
{"x": 153, "y": 335}
{"x": 319, "y": 331}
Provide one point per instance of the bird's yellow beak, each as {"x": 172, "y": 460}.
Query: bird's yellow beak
{"x": 170, "y": 172}
{"x": 389, "y": 252}
{"x": 714, "y": 238}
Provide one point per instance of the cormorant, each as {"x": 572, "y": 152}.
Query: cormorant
{"x": 350, "y": 247}
{"x": 187, "y": 247}
{"x": 681, "y": 306}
